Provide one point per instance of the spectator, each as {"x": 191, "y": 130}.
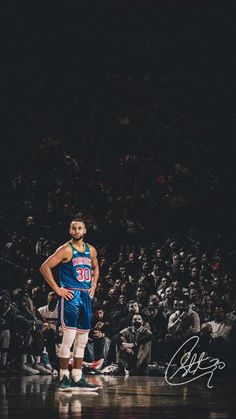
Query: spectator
{"x": 49, "y": 315}
{"x": 182, "y": 324}
{"x": 217, "y": 334}
{"x": 134, "y": 346}
{"x": 100, "y": 336}
{"x": 131, "y": 265}
{"x": 133, "y": 308}
{"x": 31, "y": 331}
{"x": 158, "y": 325}
{"x": 167, "y": 304}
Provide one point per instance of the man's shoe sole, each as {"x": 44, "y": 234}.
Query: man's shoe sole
{"x": 85, "y": 388}
{"x": 65, "y": 389}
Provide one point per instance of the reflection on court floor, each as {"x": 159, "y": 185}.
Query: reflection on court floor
{"x": 117, "y": 397}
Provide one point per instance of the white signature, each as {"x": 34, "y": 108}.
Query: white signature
{"x": 189, "y": 365}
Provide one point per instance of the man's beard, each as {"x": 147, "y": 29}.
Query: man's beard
{"x": 78, "y": 239}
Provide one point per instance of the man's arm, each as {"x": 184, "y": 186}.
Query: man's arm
{"x": 62, "y": 254}
{"x": 95, "y": 267}
{"x": 195, "y": 326}
{"x": 174, "y": 323}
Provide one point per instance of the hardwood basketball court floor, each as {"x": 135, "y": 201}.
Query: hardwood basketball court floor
{"x": 117, "y": 397}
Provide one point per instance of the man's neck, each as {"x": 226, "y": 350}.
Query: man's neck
{"x": 78, "y": 244}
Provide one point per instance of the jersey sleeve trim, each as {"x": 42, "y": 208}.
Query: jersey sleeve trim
{"x": 70, "y": 246}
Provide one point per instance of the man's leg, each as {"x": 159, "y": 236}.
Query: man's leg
{"x": 143, "y": 357}
{"x": 78, "y": 381}
{"x": 81, "y": 340}
{"x": 67, "y": 341}
{"x": 89, "y": 351}
{"x": 106, "y": 349}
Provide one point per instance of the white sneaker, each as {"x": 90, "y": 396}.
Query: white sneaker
{"x": 27, "y": 369}
{"x": 54, "y": 373}
{"x": 41, "y": 368}
{"x": 110, "y": 369}
{"x": 50, "y": 368}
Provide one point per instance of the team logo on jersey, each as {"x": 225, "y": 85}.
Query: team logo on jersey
{"x": 81, "y": 261}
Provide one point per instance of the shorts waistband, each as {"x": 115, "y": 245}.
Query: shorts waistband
{"x": 77, "y": 289}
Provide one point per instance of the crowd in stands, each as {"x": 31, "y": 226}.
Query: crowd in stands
{"x": 155, "y": 212}
{"x": 147, "y": 303}
{"x": 138, "y": 142}
{"x": 161, "y": 279}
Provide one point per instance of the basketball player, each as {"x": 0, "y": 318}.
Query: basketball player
{"x": 78, "y": 275}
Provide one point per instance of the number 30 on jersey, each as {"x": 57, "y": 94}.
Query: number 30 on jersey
{"x": 84, "y": 274}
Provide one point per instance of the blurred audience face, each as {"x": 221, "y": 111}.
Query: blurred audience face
{"x": 193, "y": 295}
{"x": 175, "y": 259}
{"x": 154, "y": 299}
{"x": 112, "y": 294}
{"x": 145, "y": 267}
{"x": 158, "y": 253}
{"x": 207, "y": 300}
{"x": 219, "y": 314}
{"x": 176, "y": 287}
{"x": 142, "y": 251}
{"x": 131, "y": 257}
{"x": 182, "y": 267}
{"x": 216, "y": 282}
{"x": 204, "y": 258}
{"x": 180, "y": 305}
{"x": 168, "y": 292}
{"x": 140, "y": 293}
{"x": 123, "y": 272}
{"x": 194, "y": 273}
{"x": 122, "y": 300}
{"x": 156, "y": 268}
{"x": 137, "y": 321}
{"x": 163, "y": 282}
{"x": 99, "y": 314}
{"x": 117, "y": 283}
{"x": 133, "y": 307}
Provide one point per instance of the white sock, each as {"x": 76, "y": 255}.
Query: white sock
{"x": 76, "y": 374}
{"x": 64, "y": 372}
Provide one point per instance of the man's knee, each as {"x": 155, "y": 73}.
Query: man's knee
{"x": 79, "y": 345}
{"x": 67, "y": 342}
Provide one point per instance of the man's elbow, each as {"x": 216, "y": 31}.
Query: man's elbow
{"x": 42, "y": 268}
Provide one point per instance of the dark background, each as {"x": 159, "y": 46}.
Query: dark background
{"x": 71, "y": 70}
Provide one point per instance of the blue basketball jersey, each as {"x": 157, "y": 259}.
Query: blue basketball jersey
{"x": 77, "y": 273}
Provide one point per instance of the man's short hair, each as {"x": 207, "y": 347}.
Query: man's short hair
{"x": 98, "y": 307}
{"x": 132, "y": 302}
{"x": 79, "y": 219}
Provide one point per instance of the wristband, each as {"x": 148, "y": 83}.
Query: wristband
{"x": 93, "y": 285}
